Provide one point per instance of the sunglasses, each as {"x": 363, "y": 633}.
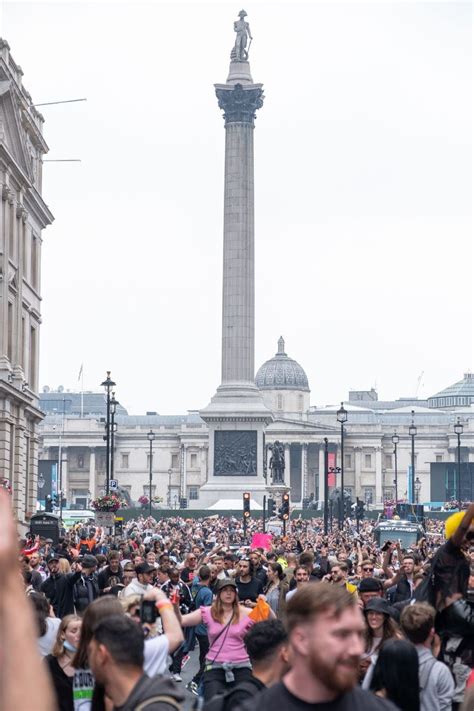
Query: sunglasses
{"x": 368, "y": 570}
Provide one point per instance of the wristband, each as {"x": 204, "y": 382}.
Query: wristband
{"x": 163, "y": 603}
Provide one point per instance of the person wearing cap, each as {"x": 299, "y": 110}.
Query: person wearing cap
{"x": 369, "y": 588}
{"x": 142, "y": 582}
{"x": 86, "y": 589}
{"x": 227, "y": 621}
{"x": 380, "y": 626}
{"x": 59, "y": 587}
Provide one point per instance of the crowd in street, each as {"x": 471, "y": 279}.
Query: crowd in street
{"x": 306, "y": 621}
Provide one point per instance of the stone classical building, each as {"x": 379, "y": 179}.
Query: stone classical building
{"x": 23, "y": 216}
{"x": 181, "y": 445}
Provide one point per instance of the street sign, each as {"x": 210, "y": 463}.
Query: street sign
{"x": 105, "y": 518}
{"x": 113, "y": 484}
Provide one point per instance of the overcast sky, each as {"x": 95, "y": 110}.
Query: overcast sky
{"x": 363, "y": 168}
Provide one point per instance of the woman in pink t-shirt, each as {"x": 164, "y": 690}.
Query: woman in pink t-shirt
{"x": 227, "y": 661}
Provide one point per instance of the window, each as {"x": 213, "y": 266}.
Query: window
{"x": 348, "y": 461}
{"x": 80, "y": 461}
{"x": 124, "y": 461}
{"x": 439, "y": 457}
{"x": 34, "y": 261}
{"x": 32, "y": 374}
{"x": 368, "y": 495}
{"x": 146, "y": 489}
{"x": 388, "y": 461}
{"x": 368, "y": 461}
{"x": 193, "y": 493}
{"x": 174, "y": 461}
{"x": 193, "y": 461}
{"x": 279, "y": 402}
{"x": 10, "y": 332}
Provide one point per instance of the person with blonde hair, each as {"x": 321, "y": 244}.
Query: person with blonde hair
{"x": 64, "y": 566}
{"x": 60, "y": 661}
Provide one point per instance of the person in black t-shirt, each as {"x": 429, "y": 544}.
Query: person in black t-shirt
{"x": 325, "y": 629}
{"x": 248, "y": 586}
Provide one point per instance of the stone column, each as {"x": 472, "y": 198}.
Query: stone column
{"x": 357, "y": 471}
{"x": 92, "y": 487}
{"x": 239, "y": 104}
{"x": 304, "y": 470}
{"x": 184, "y": 469}
{"x": 322, "y": 473}
{"x": 378, "y": 475}
{"x": 287, "y": 465}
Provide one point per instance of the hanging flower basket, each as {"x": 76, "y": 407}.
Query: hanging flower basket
{"x": 109, "y": 502}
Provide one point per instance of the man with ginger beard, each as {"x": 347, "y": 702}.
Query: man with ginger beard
{"x": 326, "y": 639}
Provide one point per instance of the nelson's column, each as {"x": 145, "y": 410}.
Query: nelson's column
{"x": 236, "y": 415}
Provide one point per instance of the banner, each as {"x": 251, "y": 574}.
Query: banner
{"x": 331, "y": 463}
{"x": 261, "y": 540}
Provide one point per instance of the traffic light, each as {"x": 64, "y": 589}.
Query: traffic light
{"x": 56, "y": 501}
{"x": 360, "y": 510}
{"x": 271, "y": 508}
{"x": 183, "y": 503}
{"x": 285, "y": 507}
{"x": 48, "y": 504}
{"x": 246, "y": 505}
{"x": 347, "y": 508}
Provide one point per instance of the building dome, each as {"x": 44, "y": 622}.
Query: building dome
{"x": 281, "y": 372}
{"x": 461, "y": 394}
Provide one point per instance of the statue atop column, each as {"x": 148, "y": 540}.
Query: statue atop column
{"x": 277, "y": 463}
{"x": 239, "y": 52}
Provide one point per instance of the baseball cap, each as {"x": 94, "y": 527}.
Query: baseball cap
{"x": 370, "y": 585}
{"x": 52, "y": 556}
{"x": 226, "y": 583}
{"x": 144, "y": 568}
{"x": 89, "y": 561}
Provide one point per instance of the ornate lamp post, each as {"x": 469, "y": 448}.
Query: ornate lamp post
{"x": 395, "y": 441}
{"x": 151, "y": 437}
{"x": 458, "y": 429}
{"x": 412, "y": 432}
{"x": 108, "y": 384}
{"x": 326, "y": 486}
{"x": 342, "y": 419}
{"x": 113, "y": 429}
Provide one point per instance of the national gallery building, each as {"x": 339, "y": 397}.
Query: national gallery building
{"x": 72, "y": 439}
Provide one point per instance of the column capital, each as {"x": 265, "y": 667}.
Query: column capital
{"x": 239, "y": 103}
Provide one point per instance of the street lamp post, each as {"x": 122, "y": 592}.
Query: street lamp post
{"x": 395, "y": 441}
{"x": 412, "y": 432}
{"x": 170, "y": 471}
{"x": 113, "y": 429}
{"x": 151, "y": 437}
{"x": 108, "y": 384}
{"x": 417, "y": 489}
{"x": 326, "y": 486}
{"x": 41, "y": 483}
{"x": 342, "y": 419}
{"x": 458, "y": 429}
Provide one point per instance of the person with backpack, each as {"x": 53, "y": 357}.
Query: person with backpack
{"x": 266, "y": 644}
{"x": 203, "y": 599}
{"x": 116, "y": 658}
{"x": 436, "y": 682}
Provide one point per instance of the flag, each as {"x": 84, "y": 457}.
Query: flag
{"x": 80, "y": 371}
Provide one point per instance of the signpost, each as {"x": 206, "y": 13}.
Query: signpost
{"x": 113, "y": 484}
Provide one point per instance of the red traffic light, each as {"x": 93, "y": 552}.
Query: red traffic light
{"x": 286, "y": 497}
{"x": 246, "y": 495}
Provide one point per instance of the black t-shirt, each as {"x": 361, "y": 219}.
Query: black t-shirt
{"x": 62, "y": 684}
{"x": 278, "y": 697}
{"x": 250, "y": 590}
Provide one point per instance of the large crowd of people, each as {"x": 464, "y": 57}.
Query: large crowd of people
{"x": 307, "y": 621}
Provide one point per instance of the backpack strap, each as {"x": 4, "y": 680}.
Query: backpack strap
{"x": 426, "y": 674}
{"x": 163, "y": 698}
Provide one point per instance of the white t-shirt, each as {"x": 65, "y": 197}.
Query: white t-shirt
{"x": 46, "y": 642}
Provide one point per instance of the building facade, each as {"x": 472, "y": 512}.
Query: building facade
{"x": 23, "y": 216}
{"x": 180, "y": 449}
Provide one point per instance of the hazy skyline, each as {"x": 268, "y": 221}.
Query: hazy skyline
{"x": 363, "y": 192}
